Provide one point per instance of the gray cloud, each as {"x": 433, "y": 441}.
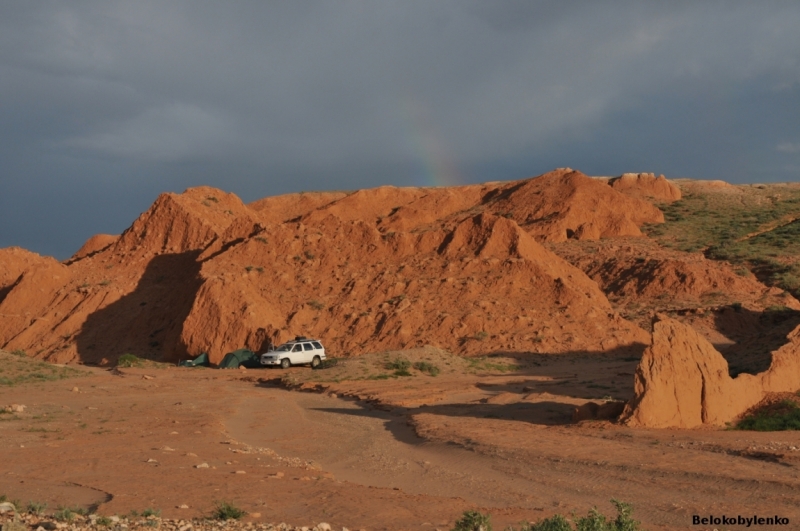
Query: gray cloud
{"x": 122, "y": 100}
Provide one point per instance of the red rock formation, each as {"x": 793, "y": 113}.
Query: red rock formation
{"x": 646, "y": 186}
{"x": 683, "y": 382}
{"x": 382, "y": 268}
{"x": 566, "y": 204}
{"x": 95, "y": 244}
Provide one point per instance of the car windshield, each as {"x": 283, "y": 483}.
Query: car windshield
{"x": 286, "y": 347}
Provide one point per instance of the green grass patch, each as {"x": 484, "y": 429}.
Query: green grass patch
{"x": 227, "y": 511}
{"x": 19, "y": 369}
{"x": 594, "y": 521}
{"x": 781, "y": 416}
{"x": 485, "y": 364}
{"x": 753, "y": 230}
{"x": 426, "y": 367}
{"x": 129, "y": 360}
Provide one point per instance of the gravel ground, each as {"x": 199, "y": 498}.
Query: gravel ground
{"x": 27, "y": 522}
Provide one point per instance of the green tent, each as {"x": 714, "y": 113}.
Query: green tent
{"x": 199, "y": 361}
{"x": 237, "y": 358}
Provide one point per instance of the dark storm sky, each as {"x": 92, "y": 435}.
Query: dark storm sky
{"x": 103, "y": 105}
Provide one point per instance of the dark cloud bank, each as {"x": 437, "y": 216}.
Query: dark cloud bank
{"x": 105, "y": 104}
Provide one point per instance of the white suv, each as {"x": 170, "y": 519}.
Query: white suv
{"x": 301, "y": 350}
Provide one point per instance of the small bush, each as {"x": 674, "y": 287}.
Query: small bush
{"x": 424, "y": 366}
{"x": 554, "y": 523}
{"x": 128, "y": 360}
{"x": 64, "y": 514}
{"x": 151, "y": 512}
{"x": 327, "y": 364}
{"x": 19, "y": 352}
{"x": 783, "y": 416}
{"x": 398, "y": 364}
{"x": 104, "y": 521}
{"x": 309, "y": 255}
{"x": 473, "y": 521}
{"x": 37, "y": 508}
{"x": 480, "y": 336}
{"x": 316, "y": 304}
{"x": 227, "y": 511}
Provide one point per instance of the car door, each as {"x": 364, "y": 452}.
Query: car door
{"x": 297, "y": 355}
{"x": 308, "y": 352}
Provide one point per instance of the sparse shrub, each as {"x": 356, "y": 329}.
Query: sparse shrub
{"x": 227, "y": 511}
{"x": 316, "y": 304}
{"x": 480, "y": 336}
{"x": 151, "y": 512}
{"x": 37, "y": 508}
{"x": 309, "y": 255}
{"x": 424, "y": 366}
{"x": 554, "y": 523}
{"x": 212, "y": 198}
{"x": 64, "y": 514}
{"x": 105, "y": 282}
{"x": 594, "y": 521}
{"x": 327, "y": 364}
{"x": 785, "y": 415}
{"x": 260, "y": 269}
{"x": 473, "y": 521}
{"x": 128, "y": 360}
{"x": 248, "y": 268}
{"x": 104, "y": 521}
{"x": 398, "y": 364}
{"x": 19, "y": 352}
{"x": 260, "y": 239}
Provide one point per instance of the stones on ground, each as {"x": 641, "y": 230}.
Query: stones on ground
{"x": 14, "y": 526}
{"x": 201, "y": 465}
{"x": 76, "y": 390}
{"x": 276, "y": 475}
{"x": 147, "y": 377}
{"x": 323, "y": 526}
{"x": 240, "y": 472}
{"x": 7, "y": 507}
{"x": 15, "y": 408}
{"x": 190, "y": 454}
{"x": 173, "y": 433}
{"x": 167, "y": 449}
{"x": 182, "y": 506}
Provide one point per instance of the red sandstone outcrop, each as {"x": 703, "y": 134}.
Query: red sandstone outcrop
{"x": 646, "y": 186}
{"x": 683, "y": 382}
{"x": 384, "y": 268}
{"x": 14, "y": 261}
{"x": 95, "y": 244}
{"x": 566, "y": 204}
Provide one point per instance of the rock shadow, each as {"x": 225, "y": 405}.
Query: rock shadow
{"x": 756, "y": 336}
{"x": 148, "y": 321}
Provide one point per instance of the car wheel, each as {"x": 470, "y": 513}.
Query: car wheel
{"x": 285, "y": 363}
{"x": 316, "y": 362}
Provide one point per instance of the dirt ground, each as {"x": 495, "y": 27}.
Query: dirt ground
{"x": 379, "y": 452}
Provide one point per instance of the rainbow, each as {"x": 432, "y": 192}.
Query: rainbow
{"x": 436, "y": 164}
